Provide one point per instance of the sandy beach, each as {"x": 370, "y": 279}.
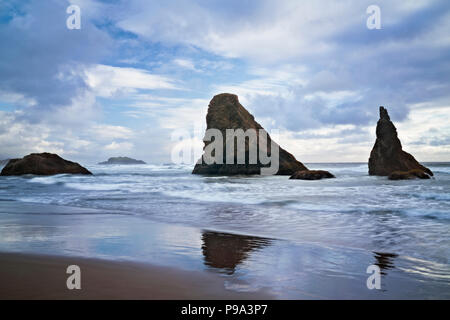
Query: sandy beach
{"x": 26, "y": 276}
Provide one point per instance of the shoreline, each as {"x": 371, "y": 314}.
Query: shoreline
{"x": 128, "y": 257}
{"x": 32, "y": 276}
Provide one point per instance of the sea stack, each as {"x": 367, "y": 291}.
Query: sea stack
{"x": 387, "y": 155}
{"x": 225, "y": 112}
{"x": 42, "y": 164}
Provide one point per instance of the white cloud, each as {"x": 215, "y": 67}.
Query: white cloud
{"x": 107, "y": 81}
{"x": 88, "y": 141}
{"x": 170, "y": 113}
{"x": 267, "y": 82}
{"x": 268, "y": 30}
{"x": 426, "y": 133}
{"x": 116, "y": 146}
{"x": 18, "y": 138}
{"x": 108, "y": 132}
{"x": 275, "y": 30}
{"x": 329, "y": 144}
{"x": 16, "y": 98}
{"x": 185, "y": 63}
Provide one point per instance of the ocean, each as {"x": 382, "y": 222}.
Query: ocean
{"x": 295, "y": 238}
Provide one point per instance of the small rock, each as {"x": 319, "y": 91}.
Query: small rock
{"x": 406, "y": 175}
{"x": 312, "y": 175}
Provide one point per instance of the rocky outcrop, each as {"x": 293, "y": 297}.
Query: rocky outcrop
{"x": 387, "y": 154}
{"x": 42, "y": 164}
{"x": 407, "y": 175}
{"x": 225, "y": 112}
{"x": 312, "y": 175}
{"x": 122, "y": 160}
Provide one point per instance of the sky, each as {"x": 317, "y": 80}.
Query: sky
{"x": 138, "y": 73}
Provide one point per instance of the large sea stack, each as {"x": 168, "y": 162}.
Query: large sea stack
{"x": 42, "y": 164}
{"x": 225, "y": 112}
{"x": 387, "y": 155}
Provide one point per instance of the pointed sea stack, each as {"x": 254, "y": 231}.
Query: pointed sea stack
{"x": 225, "y": 112}
{"x": 387, "y": 155}
{"x": 42, "y": 164}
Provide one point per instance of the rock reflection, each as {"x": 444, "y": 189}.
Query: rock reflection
{"x": 385, "y": 261}
{"x": 225, "y": 250}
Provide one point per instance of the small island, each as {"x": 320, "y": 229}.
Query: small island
{"x": 43, "y": 164}
{"x": 122, "y": 160}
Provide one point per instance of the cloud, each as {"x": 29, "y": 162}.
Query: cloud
{"x": 41, "y": 60}
{"x": 107, "y": 132}
{"x": 139, "y": 69}
{"x": 315, "y": 53}
{"x": 90, "y": 142}
{"x": 51, "y": 79}
{"x": 267, "y": 30}
{"x": 123, "y": 146}
{"x": 185, "y": 63}
{"x": 107, "y": 81}
{"x": 18, "y": 138}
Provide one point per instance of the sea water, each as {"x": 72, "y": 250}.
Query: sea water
{"x": 281, "y": 232}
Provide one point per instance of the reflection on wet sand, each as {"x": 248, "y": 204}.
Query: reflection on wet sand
{"x": 385, "y": 261}
{"x": 225, "y": 251}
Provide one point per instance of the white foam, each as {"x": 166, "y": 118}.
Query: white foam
{"x": 92, "y": 186}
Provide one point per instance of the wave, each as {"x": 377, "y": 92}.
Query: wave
{"x": 93, "y": 186}
{"x": 47, "y": 180}
{"x": 433, "y": 196}
{"x": 351, "y": 192}
{"x": 425, "y": 268}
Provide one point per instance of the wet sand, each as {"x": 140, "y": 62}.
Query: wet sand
{"x": 26, "y": 276}
{"x": 171, "y": 261}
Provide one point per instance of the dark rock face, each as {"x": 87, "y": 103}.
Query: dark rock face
{"x": 225, "y": 112}
{"x": 122, "y": 160}
{"x": 387, "y": 154}
{"x": 42, "y": 164}
{"x": 312, "y": 175}
{"x": 407, "y": 175}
